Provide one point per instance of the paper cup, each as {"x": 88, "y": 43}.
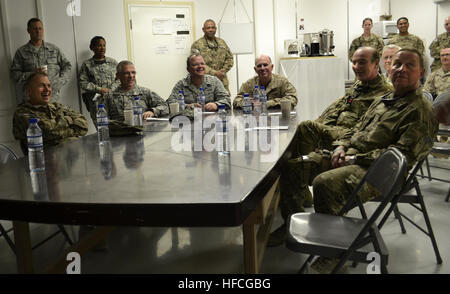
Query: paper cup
{"x": 174, "y": 107}
{"x": 128, "y": 114}
{"x": 285, "y": 108}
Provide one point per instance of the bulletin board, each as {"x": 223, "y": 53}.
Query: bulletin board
{"x": 159, "y": 38}
{"x": 239, "y": 36}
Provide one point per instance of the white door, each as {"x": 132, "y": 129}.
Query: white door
{"x": 161, "y": 37}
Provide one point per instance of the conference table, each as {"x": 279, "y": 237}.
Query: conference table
{"x": 166, "y": 177}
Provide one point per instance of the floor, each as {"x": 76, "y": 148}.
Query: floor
{"x": 219, "y": 250}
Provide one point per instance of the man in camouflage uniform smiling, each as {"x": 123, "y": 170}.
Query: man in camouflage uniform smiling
{"x": 215, "y": 52}
{"x": 58, "y": 122}
{"x": 404, "y": 39}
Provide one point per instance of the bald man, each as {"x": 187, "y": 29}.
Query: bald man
{"x": 277, "y": 87}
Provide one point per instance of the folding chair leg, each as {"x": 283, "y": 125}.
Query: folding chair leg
{"x": 448, "y": 194}
{"x": 428, "y": 168}
{"x": 305, "y": 264}
{"x": 428, "y": 223}
{"x": 4, "y": 233}
{"x": 399, "y": 218}
{"x": 64, "y": 232}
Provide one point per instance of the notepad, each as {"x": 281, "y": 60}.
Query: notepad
{"x": 279, "y": 113}
{"x": 157, "y": 119}
{"x": 272, "y": 128}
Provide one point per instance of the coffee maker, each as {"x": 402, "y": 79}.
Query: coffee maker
{"x": 318, "y": 44}
{"x": 326, "y": 42}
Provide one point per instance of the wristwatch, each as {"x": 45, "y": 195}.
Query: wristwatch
{"x": 352, "y": 160}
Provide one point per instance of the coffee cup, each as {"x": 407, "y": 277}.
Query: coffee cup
{"x": 285, "y": 108}
{"x": 128, "y": 115}
{"x": 174, "y": 107}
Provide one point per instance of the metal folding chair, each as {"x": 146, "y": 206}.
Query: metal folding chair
{"x": 348, "y": 238}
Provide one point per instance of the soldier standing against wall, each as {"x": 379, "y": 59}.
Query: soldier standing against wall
{"x": 215, "y": 52}
{"x": 39, "y": 56}
{"x": 442, "y": 41}
{"x": 367, "y": 39}
{"x": 404, "y": 39}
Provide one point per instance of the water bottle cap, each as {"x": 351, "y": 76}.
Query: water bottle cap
{"x": 33, "y": 120}
{"x": 136, "y": 98}
{"x": 222, "y": 106}
{"x": 201, "y": 89}
{"x": 262, "y": 87}
{"x": 246, "y": 95}
{"x": 256, "y": 87}
{"x": 101, "y": 106}
{"x": 181, "y": 91}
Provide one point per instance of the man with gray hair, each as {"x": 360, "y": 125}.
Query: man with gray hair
{"x": 215, "y": 92}
{"x": 386, "y": 57}
{"x": 116, "y": 101}
{"x": 277, "y": 86}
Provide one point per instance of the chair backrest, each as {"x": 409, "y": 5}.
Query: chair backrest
{"x": 442, "y": 99}
{"x": 428, "y": 95}
{"x": 6, "y": 154}
{"x": 387, "y": 175}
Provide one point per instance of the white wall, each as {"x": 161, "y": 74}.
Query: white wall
{"x": 274, "y": 22}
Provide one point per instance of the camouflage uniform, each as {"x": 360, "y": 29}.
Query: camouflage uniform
{"x": 95, "y": 75}
{"x": 407, "y": 123}
{"x": 278, "y": 88}
{"x": 212, "y": 87}
{"x": 438, "y": 82}
{"x": 58, "y": 122}
{"x": 373, "y": 41}
{"x": 216, "y": 55}
{"x": 408, "y": 41}
{"x": 442, "y": 41}
{"x": 27, "y": 59}
{"x": 116, "y": 101}
{"x": 332, "y": 124}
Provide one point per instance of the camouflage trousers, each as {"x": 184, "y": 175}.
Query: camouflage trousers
{"x": 297, "y": 174}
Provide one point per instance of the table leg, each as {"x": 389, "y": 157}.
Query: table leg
{"x": 24, "y": 254}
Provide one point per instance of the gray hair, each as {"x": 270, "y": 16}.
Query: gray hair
{"x": 194, "y": 53}
{"x": 121, "y": 64}
{"x": 391, "y": 46}
{"x": 261, "y": 56}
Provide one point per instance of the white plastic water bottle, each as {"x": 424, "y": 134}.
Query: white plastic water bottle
{"x": 222, "y": 140}
{"x": 137, "y": 113}
{"x": 246, "y": 105}
{"x": 263, "y": 100}
{"x": 256, "y": 102}
{"x": 102, "y": 124}
{"x": 180, "y": 99}
{"x": 35, "y": 146}
{"x": 201, "y": 99}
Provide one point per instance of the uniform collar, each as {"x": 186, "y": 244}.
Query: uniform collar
{"x": 390, "y": 100}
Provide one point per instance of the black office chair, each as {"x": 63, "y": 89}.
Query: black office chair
{"x": 411, "y": 193}
{"x": 347, "y": 238}
{"x": 6, "y": 154}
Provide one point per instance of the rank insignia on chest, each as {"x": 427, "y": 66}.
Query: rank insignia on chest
{"x": 349, "y": 100}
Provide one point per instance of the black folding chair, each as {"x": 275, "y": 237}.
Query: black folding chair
{"x": 6, "y": 154}
{"x": 407, "y": 195}
{"x": 348, "y": 238}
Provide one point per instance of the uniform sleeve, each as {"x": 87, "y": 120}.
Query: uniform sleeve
{"x": 85, "y": 84}
{"x": 229, "y": 60}
{"x": 173, "y": 96}
{"x": 380, "y": 46}
{"x": 66, "y": 124}
{"x": 156, "y": 104}
{"x": 20, "y": 126}
{"x": 330, "y": 115}
{"x": 239, "y": 99}
{"x": 415, "y": 142}
{"x": 352, "y": 49}
{"x": 64, "y": 70}
{"x": 420, "y": 46}
{"x": 434, "y": 49}
{"x": 429, "y": 84}
{"x": 77, "y": 122}
{"x": 288, "y": 91}
{"x": 221, "y": 96}
{"x": 17, "y": 70}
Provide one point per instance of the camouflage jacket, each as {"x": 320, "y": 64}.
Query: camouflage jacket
{"x": 438, "y": 82}
{"x": 95, "y": 75}
{"x": 58, "y": 122}
{"x": 373, "y": 41}
{"x": 407, "y": 123}
{"x": 278, "y": 88}
{"x": 27, "y": 60}
{"x": 212, "y": 87}
{"x": 409, "y": 41}
{"x": 346, "y": 111}
{"x": 116, "y": 101}
{"x": 217, "y": 56}
{"x": 442, "y": 41}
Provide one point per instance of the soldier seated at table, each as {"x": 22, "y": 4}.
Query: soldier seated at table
{"x": 215, "y": 93}
{"x": 403, "y": 119}
{"x": 277, "y": 86}
{"x": 335, "y": 121}
{"x": 57, "y": 121}
{"x": 117, "y": 100}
